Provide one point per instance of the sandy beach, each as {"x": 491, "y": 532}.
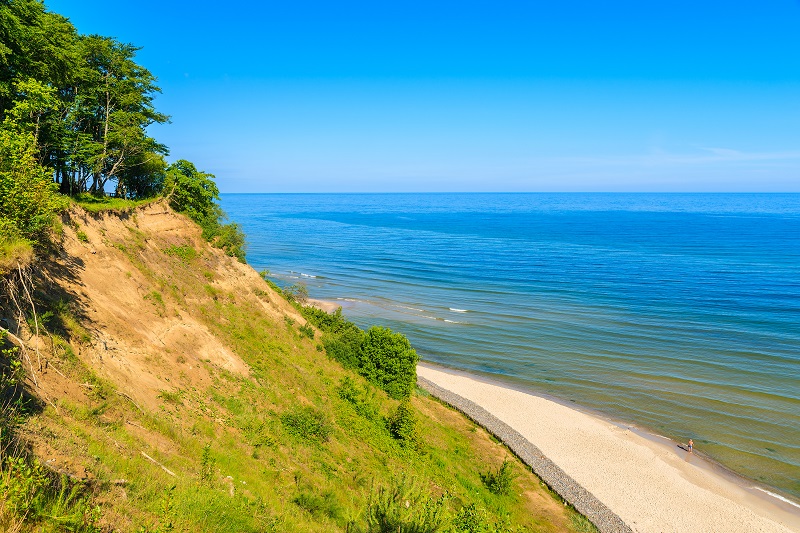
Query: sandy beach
{"x": 650, "y": 483}
{"x": 325, "y": 305}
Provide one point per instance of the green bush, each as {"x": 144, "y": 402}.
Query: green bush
{"x": 499, "y": 482}
{"x": 325, "y": 505}
{"x": 306, "y": 331}
{"x": 342, "y": 339}
{"x": 29, "y": 199}
{"x": 228, "y": 237}
{"x": 307, "y": 423}
{"x": 345, "y": 347}
{"x": 363, "y": 399}
{"x": 404, "y": 508}
{"x": 387, "y": 360}
{"x": 44, "y": 502}
{"x": 402, "y": 425}
{"x": 471, "y": 519}
{"x": 194, "y": 193}
{"x": 296, "y": 293}
{"x": 190, "y": 191}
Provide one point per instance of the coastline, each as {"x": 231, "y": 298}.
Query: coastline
{"x": 324, "y": 305}
{"x": 645, "y": 481}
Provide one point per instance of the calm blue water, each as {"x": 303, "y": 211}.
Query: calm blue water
{"x": 679, "y": 313}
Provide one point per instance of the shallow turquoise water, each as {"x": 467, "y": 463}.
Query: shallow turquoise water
{"x": 679, "y": 313}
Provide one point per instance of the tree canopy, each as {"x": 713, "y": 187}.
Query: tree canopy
{"x": 75, "y": 111}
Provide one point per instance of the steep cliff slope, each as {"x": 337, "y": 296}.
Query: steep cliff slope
{"x": 176, "y": 390}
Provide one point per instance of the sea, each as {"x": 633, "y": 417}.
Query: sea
{"x": 676, "y": 313}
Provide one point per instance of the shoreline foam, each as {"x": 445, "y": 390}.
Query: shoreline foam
{"x": 643, "y": 480}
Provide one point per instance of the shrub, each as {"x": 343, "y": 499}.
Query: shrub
{"x": 306, "y": 331}
{"x": 194, "y": 193}
{"x": 402, "y": 425}
{"x": 42, "y": 501}
{"x": 190, "y": 191}
{"x": 296, "y": 293}
{"x": 325, "y": 505}
{"x": 345, "y": 346}
{"x": 499, "y": 482}
{"x": 404, "y": 508}
{"x": 471, "y": 519}
{"x": 362, "y": 399}
{"x": 207, "y": 463}
{"x": 307, "y": 423}
{"x": 387, "y": 359}
{"x": 29, "y": 199}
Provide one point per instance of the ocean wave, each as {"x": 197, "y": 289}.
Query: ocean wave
{"x": 452, "y": 321}
{"x": 453, "y": 309}
{"x": 307, "y": 275}
{"x": 778, "y": 496}
{"x": 347, "y": 299}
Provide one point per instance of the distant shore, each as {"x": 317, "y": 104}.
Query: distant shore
{"x": 648, "y": 482}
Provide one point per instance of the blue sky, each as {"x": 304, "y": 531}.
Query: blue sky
{"x": 345, "y": 96}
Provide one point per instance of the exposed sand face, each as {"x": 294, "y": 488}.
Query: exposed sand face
{"x": 651, "y": 486}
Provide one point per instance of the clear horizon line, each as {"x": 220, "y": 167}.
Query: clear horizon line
{"x": 518, "y": 192}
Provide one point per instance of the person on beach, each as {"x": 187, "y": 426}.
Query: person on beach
{"x": 690, "y": 445}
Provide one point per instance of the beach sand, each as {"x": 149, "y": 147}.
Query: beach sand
{"x": 325, "y": 305}
{"x": 649, "y": 483}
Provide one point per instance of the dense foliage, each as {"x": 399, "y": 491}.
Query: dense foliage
{"x": 28, "y": 199}
{"x": 382, "y": 356}
{"x": 74, "y": 113}
{"x": 388, "y": 360}
{"x": 84, "y": 99}
{"x": 194, "y": 193}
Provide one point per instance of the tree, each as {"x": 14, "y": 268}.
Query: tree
{"x": 144, "y": 177}
{"x": 191, "y": 191}
{"x": 194, "y": 193}
{"x": 117, "y": 100}
{"x": 34, "y": 43}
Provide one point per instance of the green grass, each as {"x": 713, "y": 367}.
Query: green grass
{"x": 14, "y": 252}
{"x": 99, "y": 204}
{"x": 297, "y": 444}
{"x": 184, "y": 252}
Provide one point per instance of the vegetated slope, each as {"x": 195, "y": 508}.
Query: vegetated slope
{"x": 177, "y": 391}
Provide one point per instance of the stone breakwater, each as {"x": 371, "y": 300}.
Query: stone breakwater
{"x": 566, "y": 487}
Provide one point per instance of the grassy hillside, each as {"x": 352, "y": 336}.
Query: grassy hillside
{"x": 170, "y": 388}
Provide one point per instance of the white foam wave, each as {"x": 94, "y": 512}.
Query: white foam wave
{"x": 453, "y": 321}
{"x": 453, "y": 309}
{"x": 307, "y": 275}
{"x": 778, "y": 496}
{"x": 411, "y": 308}
{"x": 347, "y": 299}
